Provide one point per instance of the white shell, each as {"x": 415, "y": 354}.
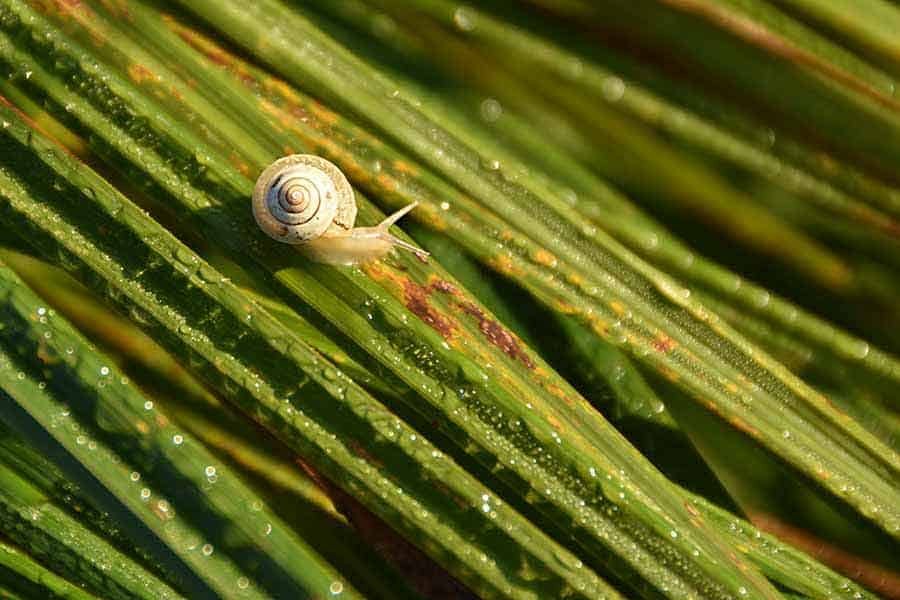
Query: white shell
{"x": 300, "y": 197}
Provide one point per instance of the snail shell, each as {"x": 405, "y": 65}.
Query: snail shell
{"x": 305, "y": 200}
{"x": 300, "y": 197}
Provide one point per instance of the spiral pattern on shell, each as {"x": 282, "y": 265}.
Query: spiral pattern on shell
{"x": 300, "y": 197}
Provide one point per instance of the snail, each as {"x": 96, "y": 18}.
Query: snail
{"x": 305, "y": 200}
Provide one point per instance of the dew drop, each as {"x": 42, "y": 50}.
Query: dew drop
{"x": 575, "y": 68}
{"x": 491, "y": 110}
{"x": 464, "y": 19}
{"x": 491, "y": 164}
{"x": 613, "y": 89}
{"x": 570, "y": 196}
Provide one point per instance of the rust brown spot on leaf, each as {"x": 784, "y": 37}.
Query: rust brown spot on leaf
{"x": 669, "y": 374}
{"x": 565, "y": 308}
{"x": 545, "y": 258}
{"x": 599, "y": 326}
{"x": 198, "y": 42}
{"x": 555, "y": 390}
{"x": 285, "y": 91}
{"x": 430, "y": 215}
{"x": 238, "y": 163}
{"x": 139, "y": 73}
{"x": 497, "y": 334}
{"x": 323, "y": 114}
{"x": 504, "y": 264}
{"x": 386, "y": 182}
{"x": 742, "y": 425}
{"x": 415, "y": 297}
{"x": 406, "y": 168}
{"x": 663, "y": 343}
{"x": 822, "y": 473}
{"x": 81, "y": 14}
{"x": 442, "y": 285}
{"x": 33, "y": 124}
{"x": 354, "y": 171}
{"x": 554, "y": 422}
{"x": 559, "y": 393}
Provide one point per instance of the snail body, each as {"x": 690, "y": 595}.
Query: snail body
{"x": 305, "y": 200}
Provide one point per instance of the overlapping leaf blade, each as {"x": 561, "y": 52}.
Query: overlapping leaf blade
{"x": 168, "y": 479}
{"x": 23, "y": 575}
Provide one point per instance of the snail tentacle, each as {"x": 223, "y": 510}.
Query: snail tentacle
{"x": 392, "y": 218}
